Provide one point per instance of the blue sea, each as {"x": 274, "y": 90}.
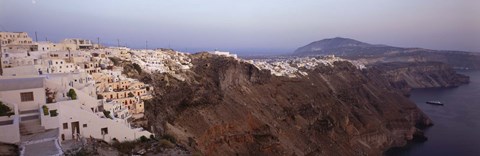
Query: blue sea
{"x": 456, "y": 130}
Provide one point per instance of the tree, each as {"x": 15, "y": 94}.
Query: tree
{"x": 5, "y": 110}
{"x": 137, "y": 68}
{"x": 50, "y": 95}
{"x": 170, "y": 138}
{"x": 143, "y": 138}
{"x": 131, "y": 94}
{"x": 107, "y": 114}
{"x": 71, "y": 94}
{"x": 115, "y": 60}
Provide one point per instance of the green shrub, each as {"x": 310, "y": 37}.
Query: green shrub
{"x": 81, "y": 152}
{"x": 165, "y": 144}
{"x": 53, "y": 113}
{"x": 107, "y": 114}
{"x": 5, "y": 110}
{"x": 115, "y": 60}
{"x": 50, "y": 95}
{"x": 45, "y": 110}
{"x": 137, "y": 68}
{"x": 170, "y": 138}
{"x": 125, "y": 147}
{"x": 71, "y": 93}
{"x": 143, "y": 138}
{"x": 131, "y": 94}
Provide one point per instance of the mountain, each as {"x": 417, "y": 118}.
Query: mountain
{"x": 342, "y": 47}
{"x": 371, "y": 54}
{"x": 222, "y": 106}
{"x": 332, "y": 43}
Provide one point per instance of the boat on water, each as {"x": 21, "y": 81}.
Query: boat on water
{"x": 435, "y": 103}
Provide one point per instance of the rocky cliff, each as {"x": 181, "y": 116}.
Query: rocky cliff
{"x": 406, "y": 76}
{"x": 227, "y": 107}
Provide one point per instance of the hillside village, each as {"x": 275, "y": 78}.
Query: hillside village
{"x": 296, "y": 66}
{"x": 55, "y": 93}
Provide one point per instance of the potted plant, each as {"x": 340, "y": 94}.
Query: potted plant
{"x": 71, "y": 94}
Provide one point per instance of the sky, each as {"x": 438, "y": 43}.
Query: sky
{"x": 248, "y": 26}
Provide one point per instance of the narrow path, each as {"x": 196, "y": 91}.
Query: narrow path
{"x": 45, "y": 143}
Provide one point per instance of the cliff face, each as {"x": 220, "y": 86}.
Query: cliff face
{"x": 421, "y": 75}
{"x": 226, "y": 107}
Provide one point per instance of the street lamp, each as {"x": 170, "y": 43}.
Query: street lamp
{"x": 1, "y": 55}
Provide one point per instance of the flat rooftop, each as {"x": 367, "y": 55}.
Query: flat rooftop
{"x": 7, "y": 84}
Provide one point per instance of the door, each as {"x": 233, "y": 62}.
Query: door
{"x": 75, "y": 130}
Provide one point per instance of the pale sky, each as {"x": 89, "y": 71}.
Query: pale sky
{"x": 249, "y": 26}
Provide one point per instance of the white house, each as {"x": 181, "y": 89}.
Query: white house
{"x": 223, "y": 53}
{"x": 27, "y": 93}
{"x": 80, "y": 117}
{"x": 24, "y": 95}
{"x": 80, "y": 43}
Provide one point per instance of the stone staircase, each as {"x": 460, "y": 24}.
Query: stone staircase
{"x": 34, "y": 138}
{"x": 31, "y": 127}
{"x": 30, "y": 123}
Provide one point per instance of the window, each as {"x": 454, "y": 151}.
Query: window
{"x": 104, "y": 131}
{"x": 84, "y": 125}
{"x": 65, "y": 125}
{"x": 28, "y": 96}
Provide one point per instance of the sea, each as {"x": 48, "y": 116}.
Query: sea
{"x": 456, "y": 129}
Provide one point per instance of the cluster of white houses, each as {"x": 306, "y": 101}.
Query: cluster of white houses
{"x": 71, "y": 87}
{"x": 291, "y": 67}
{"x": 161, "y": 61}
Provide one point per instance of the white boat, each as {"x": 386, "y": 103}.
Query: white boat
{"x": 435, "y": 103}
